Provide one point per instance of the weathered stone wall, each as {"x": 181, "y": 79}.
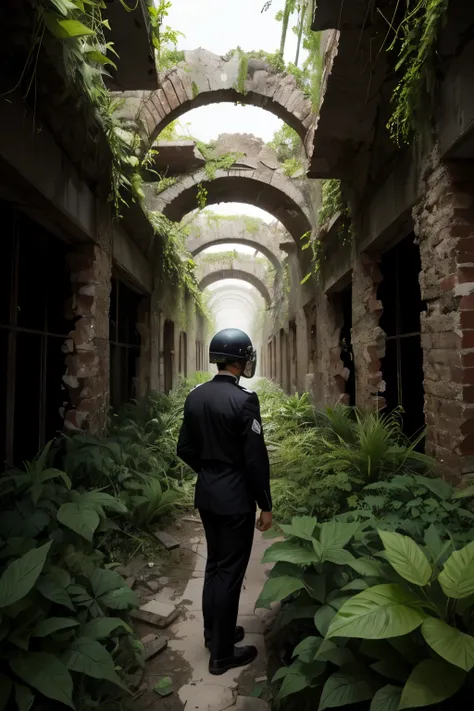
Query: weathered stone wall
{"x": 368, "y": 339}
{"x": 445, "y": 227}
{"x": 87, "y": 362}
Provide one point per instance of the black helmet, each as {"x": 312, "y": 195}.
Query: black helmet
{"x": 231, "y": 345}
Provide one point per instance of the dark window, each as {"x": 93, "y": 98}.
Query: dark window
{"x": 402, "y": 366}
{"x": 124, "y": 342}
{"x": 34, "y": 288}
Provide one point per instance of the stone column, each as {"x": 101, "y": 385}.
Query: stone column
{"x": 368, "y": 339}
{"x": 444, "y": 224}
{"x": 87, "y": 364}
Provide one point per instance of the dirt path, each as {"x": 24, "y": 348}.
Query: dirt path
{"x": 186, "y": 660}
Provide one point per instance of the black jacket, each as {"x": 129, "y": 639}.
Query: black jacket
{"x": 222, "y": 440}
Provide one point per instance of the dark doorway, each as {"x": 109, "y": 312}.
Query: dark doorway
{"x": 183, "y": 353}
{"x": 346, "y": 345}
{"x": 124, "y": 343}
{"x": 168, "y": 353}
{"x": 402, "y": 366}
{"x": 34, "y": 289}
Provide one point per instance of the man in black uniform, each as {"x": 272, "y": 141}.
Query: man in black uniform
{"x": 222, "y": 440}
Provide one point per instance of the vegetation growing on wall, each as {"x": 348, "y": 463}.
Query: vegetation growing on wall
{"x": 415, "y": 44}
{"x": 308, "y": 74}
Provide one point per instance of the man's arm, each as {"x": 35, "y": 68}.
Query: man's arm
{"x": 255, "y": 453}
{"x": 186, "y": 449}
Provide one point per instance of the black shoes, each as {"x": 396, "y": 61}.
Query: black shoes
{"x": 241, "y": 657}
{"x": 239, "y": 635}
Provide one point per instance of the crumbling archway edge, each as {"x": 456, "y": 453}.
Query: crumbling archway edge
{"x": 221, "y": 274}
{"x": 274, "y": 193}
{"x": 205, "y": 78}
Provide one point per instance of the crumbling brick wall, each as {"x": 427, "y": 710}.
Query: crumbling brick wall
{"x": 87, "y": 363}
{"x": 444, "y": 224}
{"x": 368, "y": 339}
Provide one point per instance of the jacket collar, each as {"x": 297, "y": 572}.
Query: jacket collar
{"x": 227, "y": 377}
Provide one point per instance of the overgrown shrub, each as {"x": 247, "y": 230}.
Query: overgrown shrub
{"x": 321, "y": 460}
{"x": 65, "y": 639}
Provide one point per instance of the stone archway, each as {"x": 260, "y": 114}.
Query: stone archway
{"x": 211, "y": 277}
{"x": 205, "y": 78}
{"x": 269, "y": 190}
{"x": 256, "y": 234}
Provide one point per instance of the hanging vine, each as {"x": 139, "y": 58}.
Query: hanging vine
{"x": 415, "y": 44}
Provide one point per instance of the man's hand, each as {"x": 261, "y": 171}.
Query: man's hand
{"x": 264, "y": 521}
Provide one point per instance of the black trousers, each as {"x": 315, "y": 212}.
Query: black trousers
{"x": 229, "y": 544}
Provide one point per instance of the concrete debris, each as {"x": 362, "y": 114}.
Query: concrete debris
{"x": 154, "y": 645}
{"x": 167, "y": 540}
{"x": 159, "y": 614}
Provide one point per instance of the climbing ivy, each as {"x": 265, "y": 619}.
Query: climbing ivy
{"x": 332, "y": 200}
{"x": 178, "y": 264}
{"x": 415, "y": 44}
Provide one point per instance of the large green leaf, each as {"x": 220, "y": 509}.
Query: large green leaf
{"x": 99, "y": 499}
{"x": 330, "y": 652}
{"x": 103, "y": 581}
{"x": 342, "y": 689}
{"x": 306, "y": 650}
{"x": 289, "y": 552}
{"x": 53, "y": 624}
{"x": 378, "y": 613}
{"x": 23, "y": 697}
{"x": 120, "y": 599}
{"x": 83, "y": 520}
{"x": 406, "y": 558}
{"x": 21, "y": 575}
{"x": 334, "y": 535}
{"x": 451, "y": 644}
{"x": 45, "y": 673}
{"x": 367, "y": 566}
{"x": 297, "y": 676}
{"x": 87, "y": 656}
{"x": 276, "y": 589}
{"x": 386, "y": 699}
{"x": 457, "y": 576}
{"x": 431, "y": 682}
{"x": 102, "y": 627}
{"x": 51, "y": 590}
{"x": 300, "y": 527}
{"x": 323, "y": 618}
{"x": 66, "y": 29}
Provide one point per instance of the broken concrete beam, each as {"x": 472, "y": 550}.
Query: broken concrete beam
{"x": 166, "y": 540}
{"x": 153, "y": 645}
{"x": 159, "y": 614}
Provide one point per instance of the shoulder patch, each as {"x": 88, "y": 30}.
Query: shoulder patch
{"x": 256, "y": 427}
{"x": 246, "y": 390}
{"x": 197, "y": 386}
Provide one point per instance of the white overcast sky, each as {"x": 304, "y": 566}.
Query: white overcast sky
{"x": 219, "y": 26}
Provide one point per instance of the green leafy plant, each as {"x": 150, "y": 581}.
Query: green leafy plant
{"x": 324, "y": 459}
{"x": 410, "y": 503}
{"x": 64, "y": 635}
